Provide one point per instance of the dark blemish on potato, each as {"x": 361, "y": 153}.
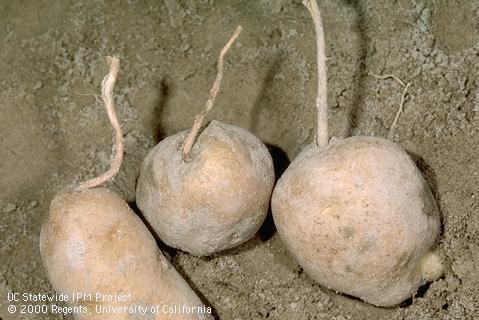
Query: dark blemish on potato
{"x": 346, "y": 231}
{"x": 365, "y": 244}
{"x": 403, "y": 260}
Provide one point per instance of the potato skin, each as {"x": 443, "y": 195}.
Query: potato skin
{"x": 359, "y": 218}
{"x": 92, "y": 242}
{"x": 216, "y": 200}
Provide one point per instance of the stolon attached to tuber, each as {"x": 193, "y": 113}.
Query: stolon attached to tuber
{"x": 356, "y": 213}
{"x": 93, "y": 243}
{"x": 208, "y": 189}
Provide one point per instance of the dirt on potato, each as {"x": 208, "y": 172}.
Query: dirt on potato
{"x": 54, "y": 133}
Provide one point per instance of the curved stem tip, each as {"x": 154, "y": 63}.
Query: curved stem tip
{"x": 195, "y": 129}
{"x": 107, "y": 96}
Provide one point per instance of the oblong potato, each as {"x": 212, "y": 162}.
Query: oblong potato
{"x": 92, "y": 242}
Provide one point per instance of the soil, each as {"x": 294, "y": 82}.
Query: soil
{"x": 54, "y": 133}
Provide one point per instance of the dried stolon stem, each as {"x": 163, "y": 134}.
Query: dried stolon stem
{"x": 403, "y": 98}
{"x": 107, "y": 96}
{"x": 322, "y": 135}
{"x": 195, "y": 129}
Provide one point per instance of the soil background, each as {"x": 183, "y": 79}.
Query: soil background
{"x": 53, "y": 134}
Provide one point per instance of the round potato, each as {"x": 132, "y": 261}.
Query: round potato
{"x": 216, "y": 200}
{"x": 360, "y": 219}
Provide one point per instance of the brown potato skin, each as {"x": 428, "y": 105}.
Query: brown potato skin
{"x": 359, "y": 218}
{"x": 216, "y": 200}
{"x": 92, "y": 242}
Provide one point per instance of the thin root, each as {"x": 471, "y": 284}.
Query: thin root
{"x": 107, "y": 95}
{"x": 96, "y": 96}
{"x": 403, "y": 98}
{"x": 195, "y": 129}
